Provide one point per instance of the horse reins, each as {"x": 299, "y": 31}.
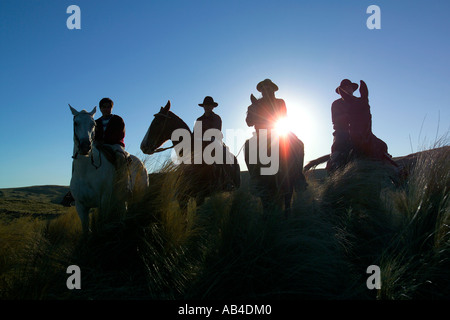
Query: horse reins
{"x": 161, "y": 132}
{"x": 75, "y": 156}
{"x": 162, "y": 149}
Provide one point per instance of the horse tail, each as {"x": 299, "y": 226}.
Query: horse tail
{"x": 316, "y": 162}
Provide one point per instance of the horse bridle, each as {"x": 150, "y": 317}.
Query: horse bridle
{"x": 75, "y": 156}
{"x": 162, "y": 130}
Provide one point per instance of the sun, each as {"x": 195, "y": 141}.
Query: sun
{"x": 283, "y": 126}
{"x": 301, "y": 119}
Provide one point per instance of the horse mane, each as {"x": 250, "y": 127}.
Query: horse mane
{"x": 181, "y": 121}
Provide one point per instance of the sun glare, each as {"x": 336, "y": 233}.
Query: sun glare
{"x": 300, "y": 117}
{"x": 283, "y": 126}
{"x": 301, "y": 121}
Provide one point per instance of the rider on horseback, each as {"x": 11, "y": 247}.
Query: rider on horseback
{"x": 211, "y": 120}
{"x": 265, "y": 113}
{"x": 340, "y": 116}
{"x": 109, "y": 137}
{"x": 352, "y": 124}
{"x": 110, "y": 130}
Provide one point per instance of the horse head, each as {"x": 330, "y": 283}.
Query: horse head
{"x": 161, "y": 128}
{"x": 83, "y": 130}
{"x": 251, "y": 117}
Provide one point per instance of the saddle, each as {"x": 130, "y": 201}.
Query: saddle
{"x": 121, "y": 161}
{"x": 118, "y": 157}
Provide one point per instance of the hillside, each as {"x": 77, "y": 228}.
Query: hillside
{"x": 50, "y": 193}
{"x": 411, "y": 159}
{"x": 35, "y": 201}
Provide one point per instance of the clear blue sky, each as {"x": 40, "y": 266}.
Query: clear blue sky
{"x": 142, "y": 53}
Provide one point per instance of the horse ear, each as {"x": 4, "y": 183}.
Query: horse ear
{"x": 167, "y": 107}
{"x": 253, "y": 98}
{"x": 93, "y": 111}
{"x": 363, "y": 90}
{"x": 74, "y": 112}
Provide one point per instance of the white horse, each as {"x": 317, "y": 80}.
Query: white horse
{"x": 96, "y": 183}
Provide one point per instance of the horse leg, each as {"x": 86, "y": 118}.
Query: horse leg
{"x": 83, "y": 214}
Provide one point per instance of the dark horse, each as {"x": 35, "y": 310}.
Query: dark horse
{"x": 274, "y": 186}
{"x": 364, "y": 144}
{"x": 195, "y": 180}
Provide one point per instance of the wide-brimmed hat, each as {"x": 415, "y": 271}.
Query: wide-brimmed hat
{"x": 347, "y": 82}
{"x": 208, "y": 101}
{"x": 267, "y": 83}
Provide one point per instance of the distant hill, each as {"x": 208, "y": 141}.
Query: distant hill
{"x": 36, "y": 201}
{"x": 48, "y": 193}
{"x": 407, "y": 161}
{"x": 412, "y": 158}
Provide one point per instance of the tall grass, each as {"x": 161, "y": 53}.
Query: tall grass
{"x": 418, "y": 265}
{"x": 227, "y": 248}
{"x": 33, "y": 255}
